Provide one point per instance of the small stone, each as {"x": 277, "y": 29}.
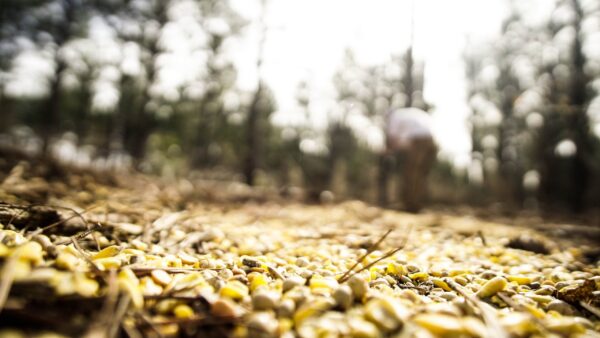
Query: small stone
{"x": 386, "y": 314}
{"x": 43, "y": 240}
{"x": 343, "y": 297}
{"x": 161, "y": 277}
{"x": 302, "y": 262}
{"x": 264, "y": 300}
{"x": 286, "y": 308}
{"x": 561, "y": 307}
{"x": 225, "y": 274}
{"x": 488, "y": 274}
{"x": 545, "y": 290}
{"x": 262, "y": 324}
{"x": 306, "y": 274}
{"x": 448, "y": 296}
{"x": 363, "y": 329}
{"x": 211, "y": 234}
{"x": 290, "y": 282}
{"x": 187, "y": 258}
{"x": 224, "y": 308}
{"x": 359, "y": 287}
{"x": 238, "y": 271}
{"x": 250, "y": 262}
{"x": 561, "y": 285}
{"x": 312, "y": 308}
{"x": 412, "y": 268}
{"x": 379, "y": 281}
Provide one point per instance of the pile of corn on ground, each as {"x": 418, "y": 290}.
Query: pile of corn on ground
{"x": 140, "y": 259}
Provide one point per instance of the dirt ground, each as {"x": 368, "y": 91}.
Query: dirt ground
{"x": 94, "y": 254}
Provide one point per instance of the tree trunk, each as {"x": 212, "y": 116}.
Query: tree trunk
{"x": 253, "y": 139}
{"x": 578, "y": 119}
{"x": 6, "y": 114}
{"x": 51, "y": 117}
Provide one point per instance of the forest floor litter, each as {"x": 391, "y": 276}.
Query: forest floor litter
{"x": 93, "y": 255}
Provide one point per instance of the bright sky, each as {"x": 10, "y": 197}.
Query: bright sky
{"x": 307, "y": 40}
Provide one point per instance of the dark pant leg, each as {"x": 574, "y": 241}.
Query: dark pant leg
{"x": 419, "y": 160}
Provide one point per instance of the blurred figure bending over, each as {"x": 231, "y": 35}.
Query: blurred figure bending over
{"x": 408, "y": 134}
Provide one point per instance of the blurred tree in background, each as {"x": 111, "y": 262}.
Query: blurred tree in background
{"x": 532, "y": 102}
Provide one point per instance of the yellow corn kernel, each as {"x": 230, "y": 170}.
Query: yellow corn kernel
{"x": 183, "y": 311}
{"x": 161, "y": 277}
{"x": 439, "y": 324}
{"x": 187, "y": 258}
{"x": 420, "y": 276}
{"x": 396, "y": 269}
{"x": 310, "y": 309}
{"x": 20, "y": 269}
{"x": 492, "y": 287}
{"x": 31, "y": 252}
{"x": 323, "y": 283}
{"x": 129, "y": 283}
{"x": 519, "y": 279}
{"x": 441, "y": 284}
{"x": 66, "y": 261}
{"x": 257, "y": 281}
{"x": 149, "y": 287}
{"x": 109, "y": 251}
{"x": 85, "y": 286}
{"x": 4, "y": 250}
{"x": 234, "y": 290}
{"x": 108, "y": 263}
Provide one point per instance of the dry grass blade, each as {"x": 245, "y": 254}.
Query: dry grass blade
{"x": 86, "y": 257}
{"x": 104, "y": 317}
{"x": 386, "y": 255}
{"x": 488, "y": 313}
{"x": 372, "y": 248}
{"x": 140, "y": 271}
{"x": 8, "y": 274}
{"x": 131, "y": 330}
{"x": 482, "y": 237}
{"x": 119, "y": 314}
{"x": 505, "y": 298}
{"x": 594, "y": 310}
{"x": 76, "y": 214}
{"x": 14, "y": 217}
{"x": 148, "y": 322}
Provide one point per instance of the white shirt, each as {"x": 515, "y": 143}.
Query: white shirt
{"x": 405, "y": 125}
